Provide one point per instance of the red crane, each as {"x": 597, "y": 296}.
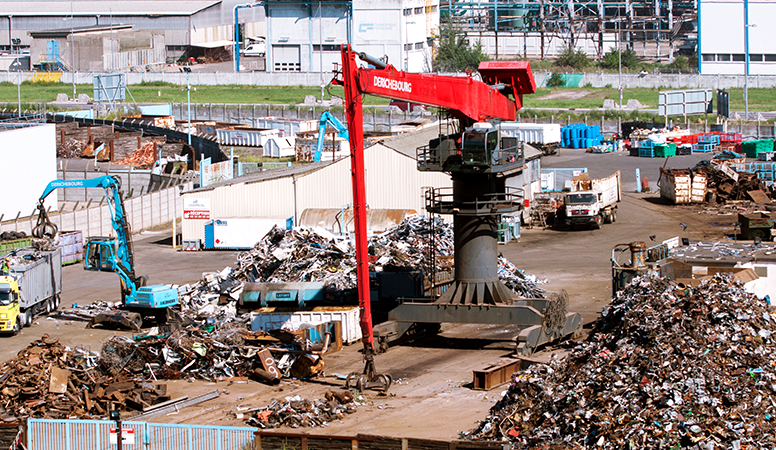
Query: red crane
{"x": 465, "y": 98}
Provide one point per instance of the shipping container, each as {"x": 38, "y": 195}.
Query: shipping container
{"x": 237, "y": 233}
{"x": 40, "y": 278}
{"x": 7, "y": 246}
{"x": 289, "y": 127}
{"x": 246, "y": 137}
{"x": 265, "y": 319}
{"x": 532, "y": 133}
{"x": 72, "y": 245}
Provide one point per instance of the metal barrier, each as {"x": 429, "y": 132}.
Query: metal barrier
{"x": 765, "y": 171}
{"x": 52, "y": 434}
{"x": 558, "y": 180}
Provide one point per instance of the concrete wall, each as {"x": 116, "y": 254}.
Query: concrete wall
{"x": 28, "y": 160}
{"x": 147, "y": 211}
{"x": 133, "y": 184}
{"x": 672, "y": 81}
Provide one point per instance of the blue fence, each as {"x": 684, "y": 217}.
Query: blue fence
{"x": 51, "y": 434}
{"x": 557, "y": 180}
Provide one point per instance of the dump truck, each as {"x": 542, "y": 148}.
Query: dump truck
{"x": 544, "y": 136}
{"x": 31, "y": 287}
{"x": 591, "y": 202}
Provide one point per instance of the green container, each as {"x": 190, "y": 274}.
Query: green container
{"x": 8, "y": 246}
{"x": 665, "y": 150}
{"x": 754, "y": 148}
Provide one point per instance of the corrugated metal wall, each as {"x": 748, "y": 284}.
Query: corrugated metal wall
{"x": 392, "y": 181}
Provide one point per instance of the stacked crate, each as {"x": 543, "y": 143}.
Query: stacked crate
{"x": 754, "y": 148}
{"x": 707, "y": 142}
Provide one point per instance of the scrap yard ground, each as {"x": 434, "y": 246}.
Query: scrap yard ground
{"x": 432, "y": 397}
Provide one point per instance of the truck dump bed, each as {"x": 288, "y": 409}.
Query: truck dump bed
{"x": 39, "y": 274}
{"x": 609, "y": 186}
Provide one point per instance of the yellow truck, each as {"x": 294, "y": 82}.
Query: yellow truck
{"x": 31, "y": 287}
{"x": 9, "y": 305}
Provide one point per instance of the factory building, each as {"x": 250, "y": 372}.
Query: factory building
{"x": 736, "y": 37}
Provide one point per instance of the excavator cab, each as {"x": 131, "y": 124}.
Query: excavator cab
{"x": 100, "y": 254}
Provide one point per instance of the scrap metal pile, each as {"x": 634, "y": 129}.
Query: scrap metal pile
{"x": 50, "y": 380}
{"x": 298, "y": 412}
{"x": 146, "y": 155}
{"x": 305, "y": 254}
{"x": 211, "y": 353}
{"x": 664, "y": 367}
{"x": 724, "y": 188}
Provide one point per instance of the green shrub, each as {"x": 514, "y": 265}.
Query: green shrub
{"x": 680, "y": 62}
{"x": 569, "y": 57}
{"x": 612, "y": 59}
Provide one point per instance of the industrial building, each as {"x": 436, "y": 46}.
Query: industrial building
{"x": 306, "y": 36}
{"x": 392, "y": 182}
{"x": 185, "y": 25}
{"x": 542, "y": 28}
{"x": 736, "y": 37}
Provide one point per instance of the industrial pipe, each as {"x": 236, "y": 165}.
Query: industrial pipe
{"x": 266, "y": 377}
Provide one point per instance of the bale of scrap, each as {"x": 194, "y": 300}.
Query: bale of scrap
{"x": 665, "y": 367}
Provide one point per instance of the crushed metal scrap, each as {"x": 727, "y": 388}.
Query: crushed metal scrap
{"x": 49, "y": 380}
{"x": 665, "y": 366}
{"x": 304, "y": 254}
{"x": 298, "y": 412}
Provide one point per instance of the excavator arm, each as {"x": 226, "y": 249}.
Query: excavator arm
{"x": 123, "y": 261}
{"x": 328, "y": 118}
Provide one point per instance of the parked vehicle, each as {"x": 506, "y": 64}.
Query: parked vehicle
{"x": 256, "y": 49}
{"x": 29, "y": 289}
{"x": 544, "y": 136}
{"x": 591, "y": 202}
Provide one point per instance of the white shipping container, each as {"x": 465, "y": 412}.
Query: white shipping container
{"x": 266, "y": 319}
{"x": 532, "y": 133}
{"x": 247, "y": 137}
{"x": 239, "y": 232}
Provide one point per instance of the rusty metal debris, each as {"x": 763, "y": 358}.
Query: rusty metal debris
{"x": 666, "y": 366}
{"x": 145, "y": 156}
{"x": 50, "y": 380}
{"x": 298, "y": 412}
{"x": 722, "y": 187}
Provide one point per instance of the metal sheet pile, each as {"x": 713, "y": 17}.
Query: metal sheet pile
{"x": 49, "y": 380}
{"x": 298, "y": 412}
{"x": 664, "y": 367}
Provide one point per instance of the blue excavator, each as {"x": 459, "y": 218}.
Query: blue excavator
{"x": 114, "y": 254}
{"x": 328, "y": 118}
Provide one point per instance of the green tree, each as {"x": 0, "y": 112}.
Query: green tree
{"x": 611, "y": 59}
{"x": 556, "y": 80}
{"x": 455, "y": 54}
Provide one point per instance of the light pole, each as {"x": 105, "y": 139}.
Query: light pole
{"x": 747, "y": 25}
{"x": 619, "y": 60}
{"x": 72, "y": 47}
{"x": 187, "y": 69}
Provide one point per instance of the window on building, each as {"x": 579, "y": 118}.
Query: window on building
{"x": 408, "y": 12}
{"x": 723, "y": 57}
{"x": 176, "y": 48}
{"x": 770, "y": 58}
{"x": 326, "y": 48}
{"x": 431, "y": 9}
{"x": 756, "y": 57}
{"x": 418, "y": 46}
{"x": 419, "y": 10}
{"x": 740, "y": 57}
{"x": 407, "y": 46}
{"x": 709, "y": 57}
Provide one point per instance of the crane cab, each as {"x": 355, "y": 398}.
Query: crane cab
{"x": 100, "y": 254}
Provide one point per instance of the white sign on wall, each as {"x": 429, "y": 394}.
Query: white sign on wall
{"x": 196, "y": 208}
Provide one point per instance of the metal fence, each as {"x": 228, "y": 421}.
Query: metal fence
{"x": 53, "y": 434}
{"x": 557, "y": 180}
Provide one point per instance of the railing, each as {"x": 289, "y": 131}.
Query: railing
{"x": 54, "y": 434}
{"x": 447, "y": 157}
{"x": 442, "y": 201}
{"x": 26, "y": 120}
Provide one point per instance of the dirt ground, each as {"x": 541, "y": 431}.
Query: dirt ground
{"x": 432, "y": 396}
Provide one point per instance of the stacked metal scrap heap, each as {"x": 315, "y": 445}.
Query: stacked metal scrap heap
{"x": 665, "y": 367}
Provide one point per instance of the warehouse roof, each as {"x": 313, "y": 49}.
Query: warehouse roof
{"x": 266, "y": 175}
{"x": 65, "y": 32}
{"x": 91, "y": 8}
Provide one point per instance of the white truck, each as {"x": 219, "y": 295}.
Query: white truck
{"x": 591, "y": 202}
{"x": 32, "y": 287}
{"x": 544, "y": 136}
